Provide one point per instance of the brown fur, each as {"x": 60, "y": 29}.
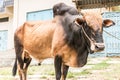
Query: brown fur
{"x": 42, "y": 41}
{"x": 94, "y": 20}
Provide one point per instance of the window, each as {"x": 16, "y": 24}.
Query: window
{"x": 40, "y": 15}
{"x": 1, "y": 3}
{"x": 4, "y": 19}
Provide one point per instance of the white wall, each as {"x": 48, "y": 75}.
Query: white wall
{"x": 24, "y": 6}
{"x": 21, "y": 7}
{"x": 10, "y": 33}
{"x": 9, "y": 27}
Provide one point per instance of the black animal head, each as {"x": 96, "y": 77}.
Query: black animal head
{"x": 61, "y": 9}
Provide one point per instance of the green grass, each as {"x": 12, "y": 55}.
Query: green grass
{"x": 101, "y": 65}
{"x": 85, "y": 72}
{"x": 44, "y": 77}
{"x": 6, "y": 71}
{"x": 112, "y": 73}
{"x": 43, "y": 69}
{"x": 52, "y": 73}
{"x": 48, "y": 70}
{"x": 6, "y": 79}
{"x": 76, "y": 74}
{"x": 70, "y": 75}
{"x": 33, "y": 69}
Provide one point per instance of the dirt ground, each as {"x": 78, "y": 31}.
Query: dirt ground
{"x": 111, "y": 72}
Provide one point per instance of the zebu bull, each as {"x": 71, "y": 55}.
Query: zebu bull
{"x": 68, "y": 38}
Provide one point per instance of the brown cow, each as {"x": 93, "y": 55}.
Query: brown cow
{"x": 67, "y": 38}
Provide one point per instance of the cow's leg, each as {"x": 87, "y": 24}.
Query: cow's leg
{"x": 20, "y": 74}
{"x": 64, "y": 71}
{"x": 23, "y": 65}
{"x": 58, "y": 64}
{"x": 27, "y": 60}
{"x": 20, "y": 67}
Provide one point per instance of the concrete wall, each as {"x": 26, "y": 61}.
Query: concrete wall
{"x": 22, "y": 7}
{"x": 7, "y": 57}
{"x": 9, "y": 27}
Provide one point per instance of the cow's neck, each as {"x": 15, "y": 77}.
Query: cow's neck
{"x": 85, "y": 48}
{"x": 80, "y": 43}
{"x": 76, "y": 39}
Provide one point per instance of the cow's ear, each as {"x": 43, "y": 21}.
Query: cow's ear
{"x": 108, "y": 23}
{"x": 79, "y": 21}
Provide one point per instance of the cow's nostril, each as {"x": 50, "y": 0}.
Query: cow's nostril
{"x": 100, "y": 47}
{"x": 96, "y": 47}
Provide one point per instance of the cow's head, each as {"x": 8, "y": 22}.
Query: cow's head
{"x": 92, "y": 26}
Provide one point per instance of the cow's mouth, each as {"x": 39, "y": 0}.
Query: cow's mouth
{"x": 97, "y": 47}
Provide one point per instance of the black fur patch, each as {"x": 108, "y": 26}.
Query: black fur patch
{"x": 76, "y": 39}
{"x": 18, "y": 51}
{"x": 61, "y": 9}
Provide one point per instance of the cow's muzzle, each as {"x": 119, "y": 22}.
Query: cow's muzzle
{"x": 97, "y": 47}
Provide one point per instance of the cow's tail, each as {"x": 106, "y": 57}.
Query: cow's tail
{"x": 14, "y": 68}
{"x": 18, "y": 50}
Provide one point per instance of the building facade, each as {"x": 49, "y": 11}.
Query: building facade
{"x": 30, "y": 10}
{"x": 6, "y": 21}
